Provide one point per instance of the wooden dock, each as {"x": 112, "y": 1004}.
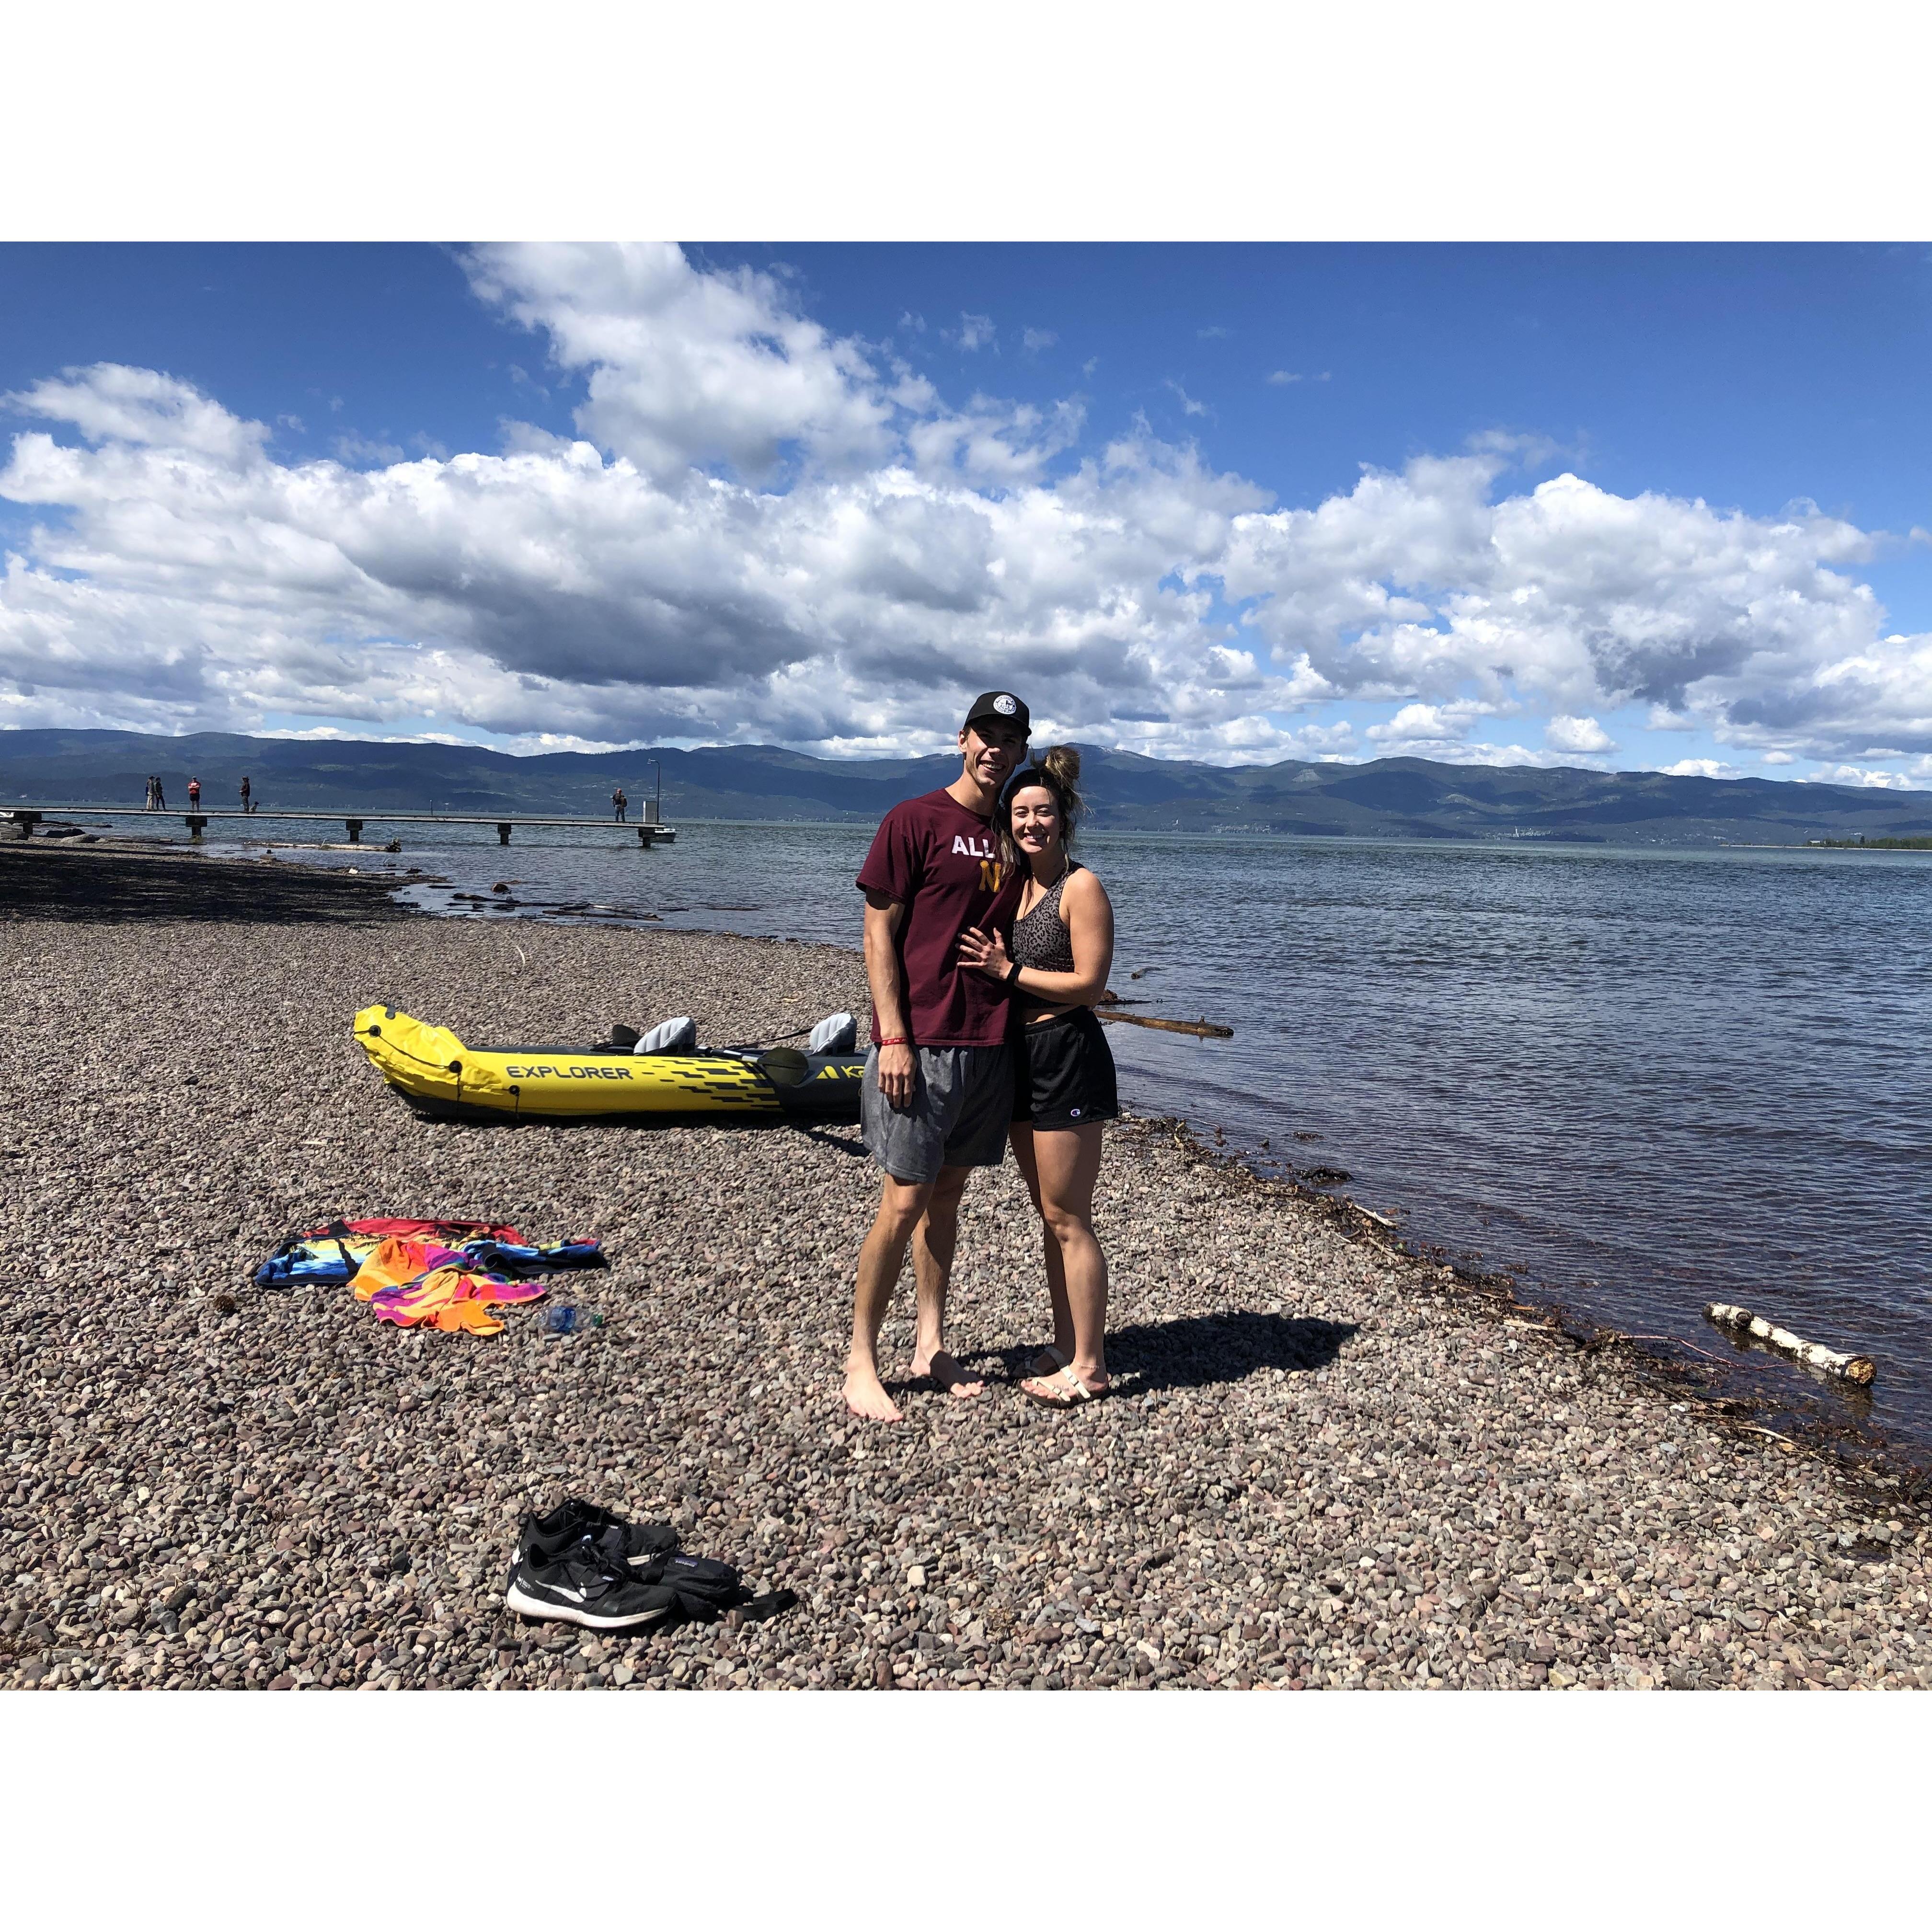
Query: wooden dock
{"x": 649, "y": 830}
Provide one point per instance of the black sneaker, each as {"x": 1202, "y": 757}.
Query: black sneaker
{"x": 582, "y": 1586}
{"x": 547, "y": 1537}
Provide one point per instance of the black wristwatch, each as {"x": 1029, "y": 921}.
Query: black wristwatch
{"x": 1012, "y": 974}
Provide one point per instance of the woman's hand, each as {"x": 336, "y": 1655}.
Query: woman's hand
{"x": 984, "y": 952}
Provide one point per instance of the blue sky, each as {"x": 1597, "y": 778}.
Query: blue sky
{"x": 889, "y": 438}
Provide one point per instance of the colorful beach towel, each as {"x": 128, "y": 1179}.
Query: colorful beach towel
{"x": 335, "y": 1252}
{"x": 418, "y": 1284}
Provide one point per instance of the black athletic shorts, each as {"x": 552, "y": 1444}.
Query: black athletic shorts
{"x": 1063, "y": 1072}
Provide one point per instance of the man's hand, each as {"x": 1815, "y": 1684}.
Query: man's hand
{"x": 898, "y": 1071}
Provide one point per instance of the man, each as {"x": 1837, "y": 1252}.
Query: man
{"x": 619, "y": 804}
{"x": 938, "y": 1089}
{"x": 245, "y": 796}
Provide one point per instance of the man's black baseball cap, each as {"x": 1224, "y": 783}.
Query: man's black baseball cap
{"x": 1001, "y": 705}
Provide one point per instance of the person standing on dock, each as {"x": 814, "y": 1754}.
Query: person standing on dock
{"x": 244, "y": 795}
{"x": 194, "y": 794}
{"x": 938, "y": 1086}
{"x": 148, "y": 805}
{"x": 620, "y": 803}
{"x": 161, "y": 794}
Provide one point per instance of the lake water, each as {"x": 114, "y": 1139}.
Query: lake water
{"x": 1641, "y": 1081}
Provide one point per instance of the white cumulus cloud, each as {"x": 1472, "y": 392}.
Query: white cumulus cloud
{"x": 1701, "y": 768}
{"x": 760, "y": 529}
{"x": 686, "y": 368}
{"x": 1564, "y": 733}
{"x": 142, "y": 409}
{"x": 1914, "y": 779}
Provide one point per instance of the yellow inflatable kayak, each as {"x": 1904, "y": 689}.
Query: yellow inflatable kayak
{"x": 435, "y": 1072}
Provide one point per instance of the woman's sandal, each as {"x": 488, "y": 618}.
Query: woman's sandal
{"x": 1048, "y": 1352}
{"x": 1073, "y": 1390}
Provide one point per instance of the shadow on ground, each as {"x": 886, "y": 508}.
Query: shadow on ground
{"x": 496, "y": 1122}
{"x": 88, "y": 887}
{"x": 1200, "y": 1351}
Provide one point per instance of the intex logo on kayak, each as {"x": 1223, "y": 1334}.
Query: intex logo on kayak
{"x": 568, "y": 1072}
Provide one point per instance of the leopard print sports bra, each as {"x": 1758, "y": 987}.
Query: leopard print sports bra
{"x": 1041, "y": 939}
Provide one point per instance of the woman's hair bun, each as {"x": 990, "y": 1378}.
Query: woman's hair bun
{"x": 1063, "y": 762}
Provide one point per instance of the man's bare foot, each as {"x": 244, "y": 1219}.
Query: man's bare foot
{"x": 940, "y": 1367}
{"x": 865, "y": 1396}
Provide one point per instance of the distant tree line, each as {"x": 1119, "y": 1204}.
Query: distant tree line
{"x": 1875, "y": 844}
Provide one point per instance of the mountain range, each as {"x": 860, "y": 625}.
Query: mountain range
{"x": 1405, "y": 798}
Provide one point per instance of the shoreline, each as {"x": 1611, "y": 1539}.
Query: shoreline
{"x": 1328, "y": 1462}
{"x": 1734, "y": 1390}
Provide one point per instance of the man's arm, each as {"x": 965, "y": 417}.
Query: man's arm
{"x": 897, "y": 1064}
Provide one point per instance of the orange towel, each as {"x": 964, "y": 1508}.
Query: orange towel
{"x": 419, "y": 1284}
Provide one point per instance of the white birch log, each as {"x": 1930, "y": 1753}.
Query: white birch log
{"x": 1854, "y": 1368}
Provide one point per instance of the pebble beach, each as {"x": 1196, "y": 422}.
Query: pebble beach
{"x": 1325, "y": 1464}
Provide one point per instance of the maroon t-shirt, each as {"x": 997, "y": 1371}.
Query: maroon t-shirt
{"x": 942, "y": 862}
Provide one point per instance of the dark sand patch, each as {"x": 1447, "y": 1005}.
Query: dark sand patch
{"x": 90, "y": 887}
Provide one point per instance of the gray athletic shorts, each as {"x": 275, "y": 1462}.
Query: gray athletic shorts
{"x": 962, "y": 1098}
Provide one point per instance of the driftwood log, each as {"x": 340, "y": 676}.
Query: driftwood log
{"x": 1201, "y": 1029}
{"x": 1859, "y": 1368}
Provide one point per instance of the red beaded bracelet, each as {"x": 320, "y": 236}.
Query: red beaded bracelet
{"x": 898, "y": 1039}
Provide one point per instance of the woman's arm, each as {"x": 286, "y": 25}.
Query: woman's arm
{"x": 1089, "y": 914}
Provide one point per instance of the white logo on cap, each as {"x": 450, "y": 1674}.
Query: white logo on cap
{"x": 1004, "y": 705}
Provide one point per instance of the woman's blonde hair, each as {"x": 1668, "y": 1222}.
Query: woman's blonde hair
{"x": 1057, "y": 772}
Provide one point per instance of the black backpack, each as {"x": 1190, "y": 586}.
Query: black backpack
{"x": 707, "y": 1588}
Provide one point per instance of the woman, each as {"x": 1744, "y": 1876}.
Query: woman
{"x": 1057, "y": 962}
